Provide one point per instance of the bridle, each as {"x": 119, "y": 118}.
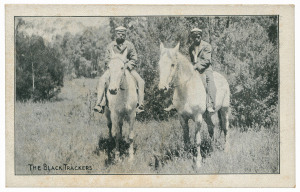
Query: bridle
{"x": 123, "y": 73}
{"x": 171, "y": 83}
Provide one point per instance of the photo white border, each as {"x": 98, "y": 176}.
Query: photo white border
{"x": 62, "y": 1}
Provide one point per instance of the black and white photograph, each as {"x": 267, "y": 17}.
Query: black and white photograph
{"x": 147, "y": 95}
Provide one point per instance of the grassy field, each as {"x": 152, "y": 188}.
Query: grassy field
{"x": 67, "y": 131}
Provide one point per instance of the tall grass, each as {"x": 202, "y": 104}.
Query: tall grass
{"x": 67, "y": 131}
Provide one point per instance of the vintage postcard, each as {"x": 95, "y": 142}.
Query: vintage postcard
{"x": 150, "y": 96}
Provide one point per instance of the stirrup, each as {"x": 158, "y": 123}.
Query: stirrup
{"x": 99, "y": 109}
{"x": 210, "y": 109}
{"x": 140, "y": 109}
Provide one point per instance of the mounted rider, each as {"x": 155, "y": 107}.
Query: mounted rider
{"x": 200, "y": 54}
{"x": 119, "y": 46}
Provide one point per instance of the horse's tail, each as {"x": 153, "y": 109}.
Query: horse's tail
{"x": 226, "y": 97}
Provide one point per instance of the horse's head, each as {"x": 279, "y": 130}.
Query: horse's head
{"x": 116, "y": 69}
{"x": 168, "y": 66}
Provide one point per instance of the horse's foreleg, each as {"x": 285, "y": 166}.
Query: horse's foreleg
{"x": 220, "y": 122}
{"x": 120, "y": 127}
{"x": 118, "y": 137}
{"x": 131, "y": 136}
{"x": 210, "y": 125}
{"x": 115, "y": 131}
{"x": 186, "y": 135}
{"x": 109, "y": 123}
{"x": 198, "y": 122}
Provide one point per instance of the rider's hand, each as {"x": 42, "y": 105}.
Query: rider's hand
{"x": 198, "y": 67}
{"x": 130, "y": 65}
{"x": 195, "y": 67}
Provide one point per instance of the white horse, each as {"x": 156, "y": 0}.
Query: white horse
{"x": 122, "y": 101}
{"x": 190, "y": 95}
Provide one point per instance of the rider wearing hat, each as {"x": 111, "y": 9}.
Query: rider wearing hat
{"x": 200, "y": 53}
{"x": 118, "y": 46}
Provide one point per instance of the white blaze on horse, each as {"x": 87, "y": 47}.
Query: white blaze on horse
{"x": 190, "y": 95}
{"x": 122, "y": 101}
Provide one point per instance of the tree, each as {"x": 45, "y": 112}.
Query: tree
{"x": 41, "y": 65}
{"x": 244, "y": 51}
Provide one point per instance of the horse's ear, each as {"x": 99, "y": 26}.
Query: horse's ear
{"x": 161, "y": 46}
{"x": 177, "y": 47}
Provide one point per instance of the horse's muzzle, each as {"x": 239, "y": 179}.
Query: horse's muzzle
{"x": 113, "y": 91}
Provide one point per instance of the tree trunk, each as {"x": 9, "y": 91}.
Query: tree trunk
{"x": 209, "y": 31}
{"x": 32, "y": 68}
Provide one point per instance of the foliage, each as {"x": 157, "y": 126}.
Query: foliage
{"x": 84, "y": 53}
{"x": 39, "y": 72}
{"x": 245, "y": 51}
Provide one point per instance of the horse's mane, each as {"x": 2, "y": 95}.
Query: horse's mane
{"x": 183, "y": 60}
{"x": 185, "y": 66}
{"x": 117, "y": 57}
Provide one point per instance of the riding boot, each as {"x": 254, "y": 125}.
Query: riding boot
{"x": 211, "y": 90}
{"x": 101, "y": 96}
{"x": 170, "y": 108}
{"x": 141, "y": 87}
{"x": 101, "y": 106}
{"x": 140, "y": 108}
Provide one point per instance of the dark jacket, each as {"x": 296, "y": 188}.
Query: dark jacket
{"x": 203, "y": 57}
{"x": 118, "y": 49}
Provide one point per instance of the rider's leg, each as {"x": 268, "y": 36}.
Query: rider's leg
{"x": 141, "y": 87}
{"x": 211, "y": 90}
{"x": 101, "y": 100}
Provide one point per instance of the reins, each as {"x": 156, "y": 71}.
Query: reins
{"x": 124, "y": 74}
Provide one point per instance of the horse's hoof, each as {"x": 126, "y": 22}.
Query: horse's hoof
{"x": 130, "y": 159}
{"x": 117, "y": 157}
{"x": 117, "y": 160}
{"x": 99, "y": 109}
{"x": 198, "y": 162}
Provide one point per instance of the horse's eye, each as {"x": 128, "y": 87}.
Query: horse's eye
{"x": 122, "y": 68}
{"x": 172, "y": 65}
